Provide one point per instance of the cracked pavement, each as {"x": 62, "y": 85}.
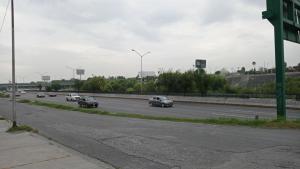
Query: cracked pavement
{"x": 143, "y": 144}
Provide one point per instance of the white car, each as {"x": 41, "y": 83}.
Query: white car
{"x": 22, "y": 92}
{"x": 40, "y": 95}
{"x": 72, "y": 97}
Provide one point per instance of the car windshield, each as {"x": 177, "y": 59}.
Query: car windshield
{"x": 89, "y": 99}
{"x": 74, "y": 94}
{"x": 163, "y": 98}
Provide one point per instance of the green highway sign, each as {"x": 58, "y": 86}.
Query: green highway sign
{"x": 291, "y": 20}
{"x": 284, "y": 15}
{"x": 290, "y": 11}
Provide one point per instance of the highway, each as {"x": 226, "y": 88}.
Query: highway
{"x": 180, "y": 109}
{"x": 144, "y": 144}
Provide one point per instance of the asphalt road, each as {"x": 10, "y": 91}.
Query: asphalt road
{"x": 143, "y": 144}
{"x": 186, "y": 110}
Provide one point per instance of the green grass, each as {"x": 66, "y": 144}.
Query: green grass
{"x": 21, "y": 128}
{"x": 3, "y": 95}
{"x": 288, "y": 124}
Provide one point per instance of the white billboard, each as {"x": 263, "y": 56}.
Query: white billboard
{"x": 46, "y": 78}
{"x": 80, "y": 71}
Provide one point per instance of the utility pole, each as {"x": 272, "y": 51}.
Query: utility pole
{"x": 14, "y": 116}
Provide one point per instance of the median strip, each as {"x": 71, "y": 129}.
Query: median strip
{"x": 290, "y": 124}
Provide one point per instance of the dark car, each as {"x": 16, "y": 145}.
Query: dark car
{"x": 52, "y": 95}
{"x": 87, "y": 102}
{"x": 160, "y": 101}
{"x": 40, "y": 95}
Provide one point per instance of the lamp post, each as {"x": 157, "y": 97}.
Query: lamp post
{"x": 141, "y": 55}
{"x": 14, "y": 116}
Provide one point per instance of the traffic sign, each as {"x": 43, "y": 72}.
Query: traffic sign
{"x": 201, "y": 64}
{"x": 289, "y": 11}
{"x": 291, "y": 20}
{"x": 285, "y": 17}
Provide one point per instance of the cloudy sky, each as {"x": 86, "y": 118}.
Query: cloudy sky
{"x": 97, "y": 35}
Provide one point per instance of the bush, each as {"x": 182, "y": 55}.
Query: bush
{"x": 4, "y": 95}
{"x": 130, "y": 90}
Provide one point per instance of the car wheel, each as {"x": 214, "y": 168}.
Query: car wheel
{"x": 67, "y": 99}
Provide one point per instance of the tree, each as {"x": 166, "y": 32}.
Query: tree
{"x": 170, "y": 82}
{"x": 48, "y": 88}
{"x": 243, "y": 70}
{"x": 78, "y": 84}
{"x": 95, "y": 84}
{"x": 56, "y": 86}
{"x": 201, "y": 80}
{"x": 188, "y": 82}
{"x": 40, "y": 86}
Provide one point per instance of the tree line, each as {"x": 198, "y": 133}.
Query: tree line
{"x": 196, "y": 82}
{"x": 168, "y": 82}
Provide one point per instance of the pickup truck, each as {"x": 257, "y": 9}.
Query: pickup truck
{"x": 72, "y": 97}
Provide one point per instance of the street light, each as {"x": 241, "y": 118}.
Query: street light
{"x": 14, "y": 116}
{"x": 141, "y": 55}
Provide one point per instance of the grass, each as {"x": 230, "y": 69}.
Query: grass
{"x": 288, "y": 124}
{"x": 3, "y": 95}
{"x": 21, "y": 129}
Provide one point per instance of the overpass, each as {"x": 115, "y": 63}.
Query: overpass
{"x": 65, "y": 84}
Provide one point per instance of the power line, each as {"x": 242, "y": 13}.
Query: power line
{"x": 2, "y": 24}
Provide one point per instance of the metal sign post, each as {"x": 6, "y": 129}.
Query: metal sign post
{"x": 80, "y": 72}
{"x": 284, "y": 16}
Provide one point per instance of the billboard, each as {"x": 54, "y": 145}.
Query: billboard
{"x": 46, "y": 78}
{"x": 147, "y": 74}
{"x": 200, "y": 64}
{"x": 80, "y": 71}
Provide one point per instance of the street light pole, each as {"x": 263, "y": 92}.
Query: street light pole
{"x": 141, "y": 55}
{"x": 14, "y": 117}
{"x": 141, "y": 74}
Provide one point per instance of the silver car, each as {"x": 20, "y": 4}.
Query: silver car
{"x": 160, "y": 101}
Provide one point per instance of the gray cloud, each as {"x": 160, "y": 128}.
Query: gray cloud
{"x": 97, "y": 35}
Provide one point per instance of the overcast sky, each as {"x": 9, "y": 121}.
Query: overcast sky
{"x": 97, "y": 35}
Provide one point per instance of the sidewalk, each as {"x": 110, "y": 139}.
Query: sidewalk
{"x": 31, "y": 151}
